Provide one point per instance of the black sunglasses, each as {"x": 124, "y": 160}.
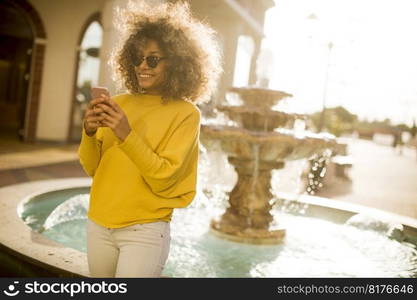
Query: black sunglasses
{"x": 152, "y": 61}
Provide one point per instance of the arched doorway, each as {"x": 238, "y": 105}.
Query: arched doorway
{"x": 87, "y": 73}
{"x": 23, "y": 40}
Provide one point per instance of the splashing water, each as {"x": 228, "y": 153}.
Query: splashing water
{"x": 317, "y": 172}
{"x": 75, "y": 208}
{"x": 392, "y": 229}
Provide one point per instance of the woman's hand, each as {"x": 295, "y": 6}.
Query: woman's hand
{"x": 114, "y": 117}
{"x": 92, "y": 116}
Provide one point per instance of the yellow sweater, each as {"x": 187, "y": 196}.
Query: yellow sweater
{"x": 153, "y": 171}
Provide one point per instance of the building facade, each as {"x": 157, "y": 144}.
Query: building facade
{"x": 42, "y": 49}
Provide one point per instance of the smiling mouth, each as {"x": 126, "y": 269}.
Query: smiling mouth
{"x": 145, "y": 75}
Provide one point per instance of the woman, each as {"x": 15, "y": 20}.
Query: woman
{"x": 141, "y": 147}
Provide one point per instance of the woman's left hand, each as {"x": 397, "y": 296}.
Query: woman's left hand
{"x": 115, "y": 118}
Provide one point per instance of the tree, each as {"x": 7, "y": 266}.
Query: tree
{"x": 338, "y": 120}
{"x": 413, "y": 129}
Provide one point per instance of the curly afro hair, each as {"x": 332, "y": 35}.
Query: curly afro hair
{"x": 195, "y": 61}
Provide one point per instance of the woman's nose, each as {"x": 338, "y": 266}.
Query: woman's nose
{"x": 143, "y": 64}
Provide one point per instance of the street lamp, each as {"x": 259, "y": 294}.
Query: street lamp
{"x": 313, "y": 17}
{"x": 323, "y": 112}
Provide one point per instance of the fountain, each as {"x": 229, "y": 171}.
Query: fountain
{"x": 260, "y": 143}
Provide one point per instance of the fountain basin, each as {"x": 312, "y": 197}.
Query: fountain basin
{"x": 196, "y": 253}
{"x": 259, "y": 97}
{"x": 260, "y": 118}
{"x": 248, "y": 235}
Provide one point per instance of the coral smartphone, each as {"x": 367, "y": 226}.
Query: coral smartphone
{"x": 98, "y": 90}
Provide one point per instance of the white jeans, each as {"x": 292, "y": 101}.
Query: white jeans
{"x": 139, "y": 250}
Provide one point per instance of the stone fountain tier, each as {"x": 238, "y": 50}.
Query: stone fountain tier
{"x": 281, "y": 145}
{"x": 259, "y": 97}
{"x": 260, "y": 118}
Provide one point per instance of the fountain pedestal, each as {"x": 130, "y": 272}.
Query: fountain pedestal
{"x": 248, "y": 217}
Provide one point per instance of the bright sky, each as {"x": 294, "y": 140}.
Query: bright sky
{"x": 372, "y": 66}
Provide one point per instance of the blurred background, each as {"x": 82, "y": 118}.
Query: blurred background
{"x": 351, "y": 67}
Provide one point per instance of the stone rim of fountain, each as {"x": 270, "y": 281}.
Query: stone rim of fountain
{"x": 31, "y": 247}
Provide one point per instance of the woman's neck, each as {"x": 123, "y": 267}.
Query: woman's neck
{"x": 150, "y": 92}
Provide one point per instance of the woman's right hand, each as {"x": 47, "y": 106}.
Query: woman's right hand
{"x": 93, "y": 117}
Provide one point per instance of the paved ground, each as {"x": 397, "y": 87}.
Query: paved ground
{"x": 380, "y": 178}
{"x": 22, "y": 162}
{"x": 49, "y": 171}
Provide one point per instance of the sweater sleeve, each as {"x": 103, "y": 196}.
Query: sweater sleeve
{"x": 176, "y": 164}
{"x": 89, "y": 151}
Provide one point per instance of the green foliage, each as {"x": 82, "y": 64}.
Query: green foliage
{"x": 413, "y": 129}
{"x": 338, "y": 120}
